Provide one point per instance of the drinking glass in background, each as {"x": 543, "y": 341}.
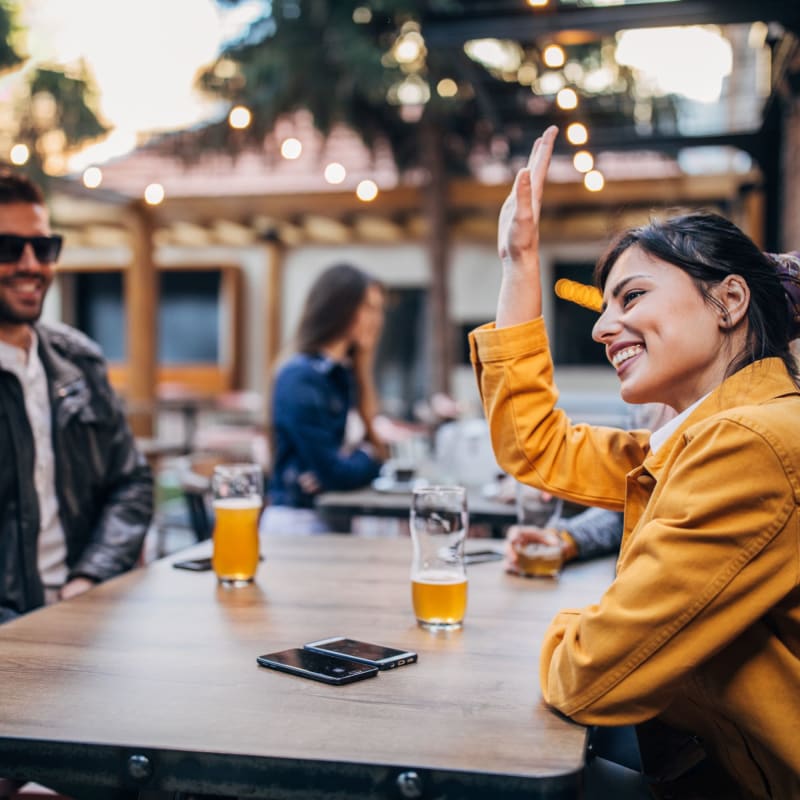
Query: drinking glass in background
{"x": 541, "y": 510}
{"x": 439, "y": 524}
{"x": 238, "y": 490}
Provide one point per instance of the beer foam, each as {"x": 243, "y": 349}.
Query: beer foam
{"x": 237, "y": 503}
{"x": 438, "y": 578}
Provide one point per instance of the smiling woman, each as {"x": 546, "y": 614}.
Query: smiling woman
{"x": 696, "y": 640}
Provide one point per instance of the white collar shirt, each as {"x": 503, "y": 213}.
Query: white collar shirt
{"x": 51, "y": 546}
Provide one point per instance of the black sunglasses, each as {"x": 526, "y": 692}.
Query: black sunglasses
{"x": 45, "y": 248}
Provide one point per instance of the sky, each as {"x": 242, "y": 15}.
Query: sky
{"x": 144, "y": 56}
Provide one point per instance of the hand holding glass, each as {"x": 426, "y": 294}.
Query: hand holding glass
{"x": 538, "y": 556}
{"x": 438, "y": 576}
{"x": 238, "y": 492}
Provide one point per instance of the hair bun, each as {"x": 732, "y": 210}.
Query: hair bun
{"x": 788, "y": 268}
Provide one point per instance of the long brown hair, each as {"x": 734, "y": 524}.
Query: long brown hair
{"x": 331, "y": 306}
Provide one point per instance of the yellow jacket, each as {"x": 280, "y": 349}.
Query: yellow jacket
{"x": 701, "y": 627}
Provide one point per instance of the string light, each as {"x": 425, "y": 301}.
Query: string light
{"x": 240, "y": 117}
{"x": 579, "y": 293}
{"x": 577, "y": 133}
{"x": 154, "y": 194}
{"x": 291, "y": 148}
{"x": 554, "y": 56}
{"x": 19, "y": 154}
{"x": 92, "y": 177}
{"x": 583, "y": 161}
{"x": 447, "y": 87}
{"x": 594, "y": 180}
{"x": 335, "y": 172}
{"x": 367, "y": 191}
{"x": 567, "y": 99}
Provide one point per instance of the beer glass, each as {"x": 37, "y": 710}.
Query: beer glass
{"x": 438, "y": 577}
{"x": 541, "y": 510}
{"x": 238, "y": 490}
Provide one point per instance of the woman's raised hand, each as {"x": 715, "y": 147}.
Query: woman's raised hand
{"x": 518, "y": 237}
{"x": 518, "y": 227}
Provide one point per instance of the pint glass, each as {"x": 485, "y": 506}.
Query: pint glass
{"x": 540, "y": 510}
{"x": 238, "y": 491}
{"x": 438, "y": 577}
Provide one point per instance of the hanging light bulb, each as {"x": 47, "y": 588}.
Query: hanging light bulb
{"x": 291, "y": 148}
{"x": 594, "y": 180}
{"x": 577, "y": 133}
{"x": 335, "y": 172}
{"x": 19, "y": 154}
{"x": 554, "y": 56}
{"x": 367, "y": 191}
{"x": 154, "y": 194}
{"x": 583, "y": 161}
{"x": 567, "y": 99}
{"x": 92, "y": 177}
{"x": 240, "y": 117}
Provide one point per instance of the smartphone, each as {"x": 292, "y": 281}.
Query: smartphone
{"x": 317, "y": 666}
{"x": 365, "y": 653}
{"x": 194, "y": 564}
{"x": 198, "y": 564}
{"x": 479, "y": 556}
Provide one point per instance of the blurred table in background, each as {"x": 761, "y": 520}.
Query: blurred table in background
{"x": 373, "y": 503}
{"x": 187, "y": 421}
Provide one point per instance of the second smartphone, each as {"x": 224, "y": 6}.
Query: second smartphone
{"x": 375, "y": 655}
{"x": 317, "y": 666}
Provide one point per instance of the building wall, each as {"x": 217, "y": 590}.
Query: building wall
{"x": 475, "y": 281}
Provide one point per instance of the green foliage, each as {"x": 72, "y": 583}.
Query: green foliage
{"x": 9, "y": 58}
{"x": 311, "y": 54}
{"x": 72, "y": 95}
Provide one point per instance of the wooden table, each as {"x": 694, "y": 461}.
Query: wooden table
{"x": 149, "y": 684}
{"x": 371, "y": 502}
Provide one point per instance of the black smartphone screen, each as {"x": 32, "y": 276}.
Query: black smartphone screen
{"x": 317, "y": 666}
{"x": 479, "y": 556}
{"x": 376, "y": 654}
{"x": 194, "y": 564}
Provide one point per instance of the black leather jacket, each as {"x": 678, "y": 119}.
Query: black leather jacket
{"x": 104, "y": 485}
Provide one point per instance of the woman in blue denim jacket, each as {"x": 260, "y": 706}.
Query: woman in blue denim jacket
{"x": 329, "y": 375}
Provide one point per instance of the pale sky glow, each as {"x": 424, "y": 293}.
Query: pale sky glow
{"x": 691, "y": 61}
{"x": 144, "y": 55}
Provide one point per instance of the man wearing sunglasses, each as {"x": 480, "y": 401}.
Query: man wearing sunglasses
{"x": 75, "y": 494}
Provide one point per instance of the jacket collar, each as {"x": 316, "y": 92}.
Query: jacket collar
{"x": 63, "y": 375}
{"x": 755, "y": 384}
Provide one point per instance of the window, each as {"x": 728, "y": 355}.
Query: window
{"x": 572, "y": 340}
{"x": 198, "y": 322}
{"x": 188, "y": 314}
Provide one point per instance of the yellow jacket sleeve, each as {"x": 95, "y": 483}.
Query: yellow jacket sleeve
{"x": 536, "y": 442}
{"x": 713, "y": 553}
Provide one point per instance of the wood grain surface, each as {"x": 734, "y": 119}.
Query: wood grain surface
{"x": 164, "y": 658}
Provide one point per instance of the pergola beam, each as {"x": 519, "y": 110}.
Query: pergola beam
{"x": 527, "y": 24}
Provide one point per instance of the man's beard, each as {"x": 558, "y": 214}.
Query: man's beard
{"x": 12, "y": 316}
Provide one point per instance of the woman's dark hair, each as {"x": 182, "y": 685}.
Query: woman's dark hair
{"x": 708, "y": 248}
{"x": 17, "y": 188}
{"x": 331, "y": 306}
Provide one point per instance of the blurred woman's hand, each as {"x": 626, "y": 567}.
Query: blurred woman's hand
{"x": 520, "y": 535}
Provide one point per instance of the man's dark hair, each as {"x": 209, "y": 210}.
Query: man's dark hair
{"x": 17, "y": 188}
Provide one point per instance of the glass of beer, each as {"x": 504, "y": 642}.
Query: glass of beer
{"x": 438, "y": 577}
{"x": 238, "y": 490}
{"x": 538, "y": 509}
